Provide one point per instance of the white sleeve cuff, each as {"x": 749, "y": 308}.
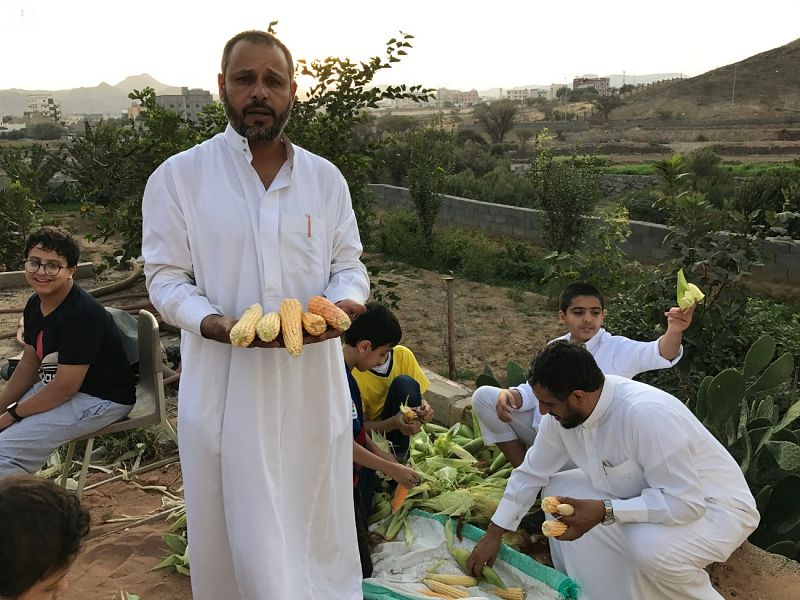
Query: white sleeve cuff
{"x": 633, "y": 510}
{"x": 192, "y": 311}
{"x": 508, "y": 515}
{"x": 529, "y": 401}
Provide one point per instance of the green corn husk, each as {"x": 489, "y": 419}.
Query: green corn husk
{"x": 499, "y": 462}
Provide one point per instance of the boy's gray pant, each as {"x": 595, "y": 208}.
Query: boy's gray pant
{"x": 25, "y": 445}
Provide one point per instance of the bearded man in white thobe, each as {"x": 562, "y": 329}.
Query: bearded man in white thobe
{"x": 656, "y": 496}
{"x": 265, "y": 438}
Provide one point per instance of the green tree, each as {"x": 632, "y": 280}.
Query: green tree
{"x": 566, "y": 191}
{"x": 430, "y": 161}
{"x": 562, "y": 92}
{"x": 326, "y": 121}
{"x": 19, "y": 214}
{"x": 523, "y": 136}
{"x": 497, "y": 118}
{"x": 33, "y": 167}
{"x": 45, "y": 131}
{"x": 605, "y": 104}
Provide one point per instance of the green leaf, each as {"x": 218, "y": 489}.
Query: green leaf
{"x": 515, "y": 374}
{"x": 789, "y": 417}
{"x": 724, "y": 398}
{"x": 787, "y": 455}
{"x": 777, "y": 373}
{"x": 176, "y": 543}
{"x": 759, "y": 356}
{"x": 484, "y": 379}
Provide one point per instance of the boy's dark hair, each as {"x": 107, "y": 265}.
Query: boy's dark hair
{"x": 57, "y": 240}
{"x": 41, "y": 528}
{"x": 569, "y": 293}
{"x": 563, "y": 367}
{"x": 377, "y": 325}
{"x": 254, "y": 36}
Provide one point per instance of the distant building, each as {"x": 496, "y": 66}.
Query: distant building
{"x": 600, "y": 84}
{"x": 456, "y": 97}
{"x": 189, "y": 103}
{"x": 42, "y": 108}
{"x": 524, "y": 93}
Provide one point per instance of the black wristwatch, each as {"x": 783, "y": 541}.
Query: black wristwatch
{"x": 12, "y": 410}
{"x": 609, "y": 519}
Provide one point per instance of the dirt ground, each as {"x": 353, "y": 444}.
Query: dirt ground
{"x": 492, "y": 325}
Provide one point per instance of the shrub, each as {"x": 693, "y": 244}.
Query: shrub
{"x": 400, "y": 237}
{"x": 19, "y": 214}
{"x": 641, "y": 206}
{"x": 709, "y": 177}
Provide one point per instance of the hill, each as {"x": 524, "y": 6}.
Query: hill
{"x": 764, "y": 85}
{"x": 102, "y": 99}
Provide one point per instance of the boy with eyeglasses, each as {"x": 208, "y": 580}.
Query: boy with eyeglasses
{"x": 74, "y": 377}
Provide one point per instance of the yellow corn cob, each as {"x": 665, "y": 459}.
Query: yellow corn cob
{"x": 431, "y": 594}
{"x": 446, "y": 590}
{"x": 409, "y": 416}
{"x": 566, "y": 509}
{"x": 464, "y": 580}
{"x": 291, "y": 325}
{"x": 550, "y": 504}
{"x": 268, "y": 327}
{"x": 510, "y": 593}
{"x": 554, "y": 528}
{"x": 314, "y": 324}
{"x": 244, "y": 332}
{"x": 333, "y": 315}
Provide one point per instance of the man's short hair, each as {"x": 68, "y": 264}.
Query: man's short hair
{"x": 573, "y": 290}
{"x": 563, "y": 367}
{"x": 41, "y": 528}
{"x": 254, "y": 36}
{"x": 56, "y": 240}
{"x": 378, "y": 325}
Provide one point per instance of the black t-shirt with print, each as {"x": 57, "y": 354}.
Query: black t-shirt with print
{"x": 81, "y": 332}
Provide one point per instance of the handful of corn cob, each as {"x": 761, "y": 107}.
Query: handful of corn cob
{"x": 290, "y": 321}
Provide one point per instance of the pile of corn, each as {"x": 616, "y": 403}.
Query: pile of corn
{"x": 460, "y": 478}
{"x": 289, "y": 321}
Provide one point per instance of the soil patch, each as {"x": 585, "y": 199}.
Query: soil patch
{"x": 492, "y": 326}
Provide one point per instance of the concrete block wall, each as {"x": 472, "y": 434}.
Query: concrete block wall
{"x": 781, "y": 258}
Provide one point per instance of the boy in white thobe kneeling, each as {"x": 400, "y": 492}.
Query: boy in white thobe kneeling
{"x": 656, "y": 496}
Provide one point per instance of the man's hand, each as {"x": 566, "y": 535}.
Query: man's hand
{"x": 506, "y": 404}
{"x": 404, "y": 475}
{"x": 679, "y": 319}
{"x": 217, "y": 328}
{"x": 588, "y": 513}
{"x": 424, "y": 412}
{"x": 405, "y": 427}
{"x": 352, "y": 308}
{"x": 485, "y": 551}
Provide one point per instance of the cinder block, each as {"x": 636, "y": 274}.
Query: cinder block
{"x": 447, "y": 398}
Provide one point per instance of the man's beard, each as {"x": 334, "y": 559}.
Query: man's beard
{"x": 258, "y": 134}
{"x": 571, "y": 420}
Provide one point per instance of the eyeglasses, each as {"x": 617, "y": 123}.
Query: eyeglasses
{"x": 52, "y": 269}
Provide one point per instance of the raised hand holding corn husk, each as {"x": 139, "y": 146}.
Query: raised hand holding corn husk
{"x": 688, "y": 293}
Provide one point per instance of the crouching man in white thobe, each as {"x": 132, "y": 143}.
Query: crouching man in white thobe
{"x": 656, "y": 497}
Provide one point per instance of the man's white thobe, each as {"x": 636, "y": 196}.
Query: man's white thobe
{"x": 614, "y": 354}
{"x": 679, "y": 498}
{"x": 265, "y": 438}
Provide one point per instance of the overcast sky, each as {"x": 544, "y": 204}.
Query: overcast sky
{"x": 57, "y": 44}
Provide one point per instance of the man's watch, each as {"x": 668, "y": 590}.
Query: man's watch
{"x": 12, "y": 410}
{"x": 609, "y": 519}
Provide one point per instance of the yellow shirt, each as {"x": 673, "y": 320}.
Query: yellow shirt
{"x": 374, "y": 387}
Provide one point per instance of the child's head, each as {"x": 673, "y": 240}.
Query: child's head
{"x": 373, "y": 334}
{"x": 51, "y": 257}
{"x": 582, "y": 309}
{"x": 41, "y": 528}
